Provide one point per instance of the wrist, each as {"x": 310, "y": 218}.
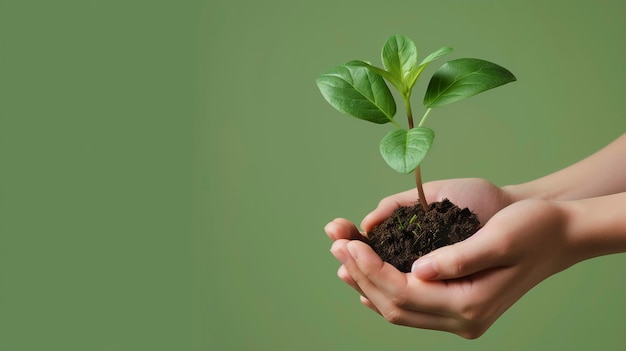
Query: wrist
{"x": 542, "y": 189}
{"x": 523, "y": 191}
{"x": 595, "y": 226}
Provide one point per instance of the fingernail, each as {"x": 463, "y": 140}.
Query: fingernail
{"x": 338, "y": 255}
{"x": 329, "y": 229}
{"x": 425, "y": 268}
{"x": 352, "y": 251}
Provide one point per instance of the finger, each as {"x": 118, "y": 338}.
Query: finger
{"x": 345, "y": 276}
{"x": 386, "y": 207}
{"x": 341, "y": 228}
{"x": 415, "y": 319}
{"x": 370, "y": 269}
{"x": 479, "y": 252}
{"x": 338, "y": 249}
{"x": 388, "y": 288}
{"x": 384, "y": 285}
{"x": 377, "y": 298}
{"x": 365, "y": 301}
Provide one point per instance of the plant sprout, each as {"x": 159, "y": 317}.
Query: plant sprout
{"x": 358, "y": 88}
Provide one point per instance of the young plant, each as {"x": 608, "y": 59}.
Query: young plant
{"x": 358, "y": 88}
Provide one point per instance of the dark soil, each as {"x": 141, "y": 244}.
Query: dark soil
{"x": 409, "y": 233}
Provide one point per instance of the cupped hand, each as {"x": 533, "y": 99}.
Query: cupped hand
{"x": 465, "y": 287}
{"x": 479, "y": 195}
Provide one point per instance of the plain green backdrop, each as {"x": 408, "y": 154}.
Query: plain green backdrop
{"x": 167, "y": 167}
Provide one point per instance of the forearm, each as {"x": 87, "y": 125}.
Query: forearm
{"x": 596, "y": 226}
{"x": 600, "y": 174}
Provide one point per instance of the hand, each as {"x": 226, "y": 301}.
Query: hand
{"x": 465, "y": 287}
{"x": 479, "y": 195}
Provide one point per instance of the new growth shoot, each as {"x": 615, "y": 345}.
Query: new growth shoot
{"x": 359, "y": 88}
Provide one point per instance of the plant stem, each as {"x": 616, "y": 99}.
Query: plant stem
{"x": 424, "y": 117}
{"x": 418, "y": 173}
{"x": 409, "y": 113}
{"x": 420, "y": 189}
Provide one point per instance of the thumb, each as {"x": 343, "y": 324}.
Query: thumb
{"x": 477, "y": 253}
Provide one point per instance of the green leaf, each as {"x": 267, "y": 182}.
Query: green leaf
{"x": 358, "y": 91}
{"x": 416, "y": 71}
{"x": 399, "y": 57}
{"x": 404, "y": 150}
{"x": 462, "y": 78}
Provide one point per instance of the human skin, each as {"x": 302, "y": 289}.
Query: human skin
{"x": 464, "y": 288}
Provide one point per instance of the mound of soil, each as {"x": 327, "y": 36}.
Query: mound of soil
{"x": 409, "y": 233}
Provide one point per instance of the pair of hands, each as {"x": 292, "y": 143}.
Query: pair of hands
{"x": 462, "y": 288}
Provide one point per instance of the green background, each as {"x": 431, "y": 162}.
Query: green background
{"x": 167, "y": 167}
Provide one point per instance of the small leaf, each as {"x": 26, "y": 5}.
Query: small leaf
{"x": 462, "y": 78}
{"x": 416, "y": 71}
{"x": 435, "y": 55}
{"x": 404, "y": 150}
{"x": 358, "y": 91}
{"x": 399, "y": 56}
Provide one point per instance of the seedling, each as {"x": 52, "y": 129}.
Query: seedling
{"x": 358, "y": 88}
{"x": 399, "y": 222}
{"x": 417, "y": 223}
